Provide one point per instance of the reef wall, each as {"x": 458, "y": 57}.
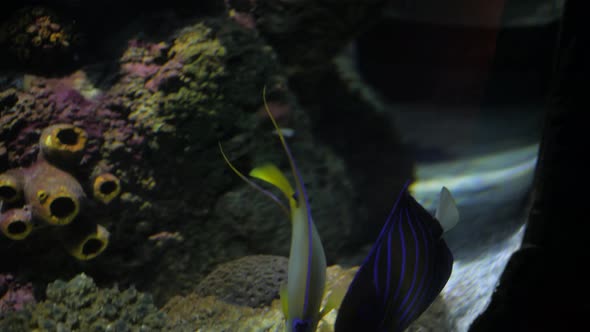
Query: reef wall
{"x": 151, "y": 120}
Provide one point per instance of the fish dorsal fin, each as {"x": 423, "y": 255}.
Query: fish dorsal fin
{"x": 271, "y": 174}
{"x": 447, "y": 213}
{"x": 284, "y": 301}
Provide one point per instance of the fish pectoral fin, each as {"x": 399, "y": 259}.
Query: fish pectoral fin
{"x": 447, "y": 213}
{"x": 271, "y": 174}
{"x": 334, "y": 299}
{"x": 284, "y": 300}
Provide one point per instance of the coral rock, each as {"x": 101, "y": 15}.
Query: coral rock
{"x": 79, "y": 305}
{"x": 13, "y": 295}
{"x": 252, "y": 281}
{"x": 54, "y": 196}
{"x": 39, "y": 37}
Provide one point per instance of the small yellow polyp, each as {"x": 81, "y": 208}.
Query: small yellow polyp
{"x": 42, "y": 196}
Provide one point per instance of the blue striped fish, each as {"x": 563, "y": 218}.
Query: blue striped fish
{"x": 405, "y": 271}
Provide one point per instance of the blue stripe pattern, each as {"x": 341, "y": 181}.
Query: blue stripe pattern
{"x": 403, "y": 274}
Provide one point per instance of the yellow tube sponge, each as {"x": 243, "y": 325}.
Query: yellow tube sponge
{"x": 54, "y": 195}
{"x": 11, "y": 186}
{"x": 63, "y": 142}
{"x": 88, "y": 241}
{"x": 16, "y": 223}
{"x": 106, "y": 187}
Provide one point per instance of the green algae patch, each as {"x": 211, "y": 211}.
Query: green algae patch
{"x": 195, "y": 90}
{"x": 205, "y": 83}
{"x": 202, "y": 56}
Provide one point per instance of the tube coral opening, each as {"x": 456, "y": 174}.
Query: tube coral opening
{"x": 55, "y": 196}
{"x": 7, "y": 193}
{"x": 62, "y": 207}
{"x": 16, "y": 223}
{"x": 17, "y": 227}
{"x": 92, "y": 247}
{"x": 108, "y": 187}
{"x": 68, "y": 136}
{"x": 11, "y": 186}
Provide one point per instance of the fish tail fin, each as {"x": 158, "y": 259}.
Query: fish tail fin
{"x": 253, "y": 184}
{"x": 447, "y": 212}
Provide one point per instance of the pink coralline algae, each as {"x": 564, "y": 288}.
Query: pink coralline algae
{"x": 150, "y": 63}
{"x": 60, "y": 100}
{"x": 168, "y": 73}
{"x": 14, "y": 295}
{"x": 140, "y": 69}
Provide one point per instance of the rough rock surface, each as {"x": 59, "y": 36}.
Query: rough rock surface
{"x": 252, "y": 281}
{"x": 79, "y": 305}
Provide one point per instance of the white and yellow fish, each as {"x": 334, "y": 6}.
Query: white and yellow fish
{"x": 301, "y": 297}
